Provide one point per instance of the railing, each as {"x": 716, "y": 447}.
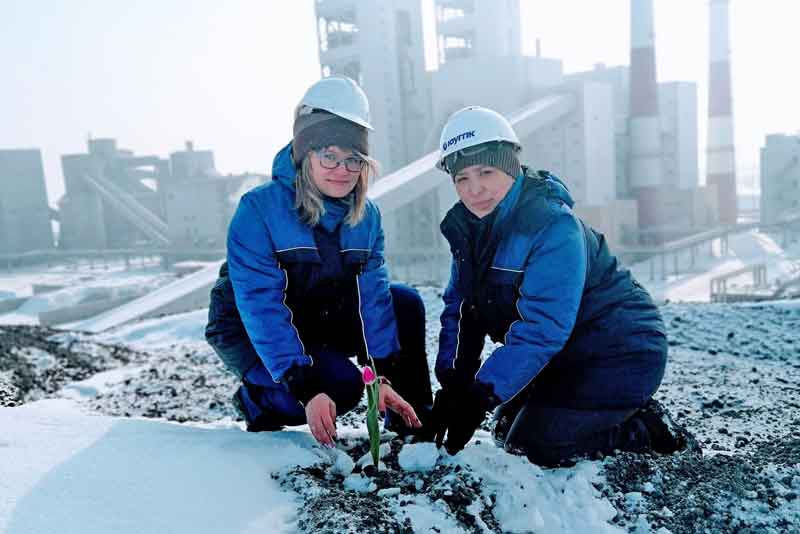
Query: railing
{"x": 786, "y": 225}
{"x": 719, "y": 284}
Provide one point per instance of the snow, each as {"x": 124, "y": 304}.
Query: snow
{"x": 532, "y": 499}
{"x": 77, "y": 282}
{"x": 64, "y": 471}
{"x": 161, "y": 332}
{"x": 66, "y": 468}
{"x": 154, "y": 300}
{"x": 418, "y": 457}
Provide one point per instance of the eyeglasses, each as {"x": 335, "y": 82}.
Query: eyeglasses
{"x": 329, "y": 161}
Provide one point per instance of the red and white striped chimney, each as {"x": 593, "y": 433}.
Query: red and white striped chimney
{"x": 644, "y": 129}
{"x": 721, "y": 157}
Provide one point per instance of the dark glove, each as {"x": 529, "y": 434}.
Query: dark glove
{"x": 302, "y": 382}
{"x": 459, "y": 412}
{"x": 387, "y": 367}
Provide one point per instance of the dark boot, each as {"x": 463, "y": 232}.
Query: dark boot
{"x": 504, "y": 417}
{"x": 501, "y": 424}
{"x": 261, "y": 423}
{"x": 666, "y": 436}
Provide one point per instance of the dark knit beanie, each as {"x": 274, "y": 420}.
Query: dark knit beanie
{"x": 495, "y": 154}
{"x": 321, "y": 129}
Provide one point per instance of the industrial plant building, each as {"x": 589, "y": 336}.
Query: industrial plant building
{"x": 780, "y": 177}
{"x": 625, "y": 143}
{"x": 24, "y": 214}
{"x": 116, "y": 199}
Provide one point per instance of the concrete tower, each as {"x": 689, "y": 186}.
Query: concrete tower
{"x": 645, "y": 173}
{"x": 24, "y": 213}
{"x": 721, "y": 162}
{"x": 469, "y": 29}
{"x": 381, "y": 46}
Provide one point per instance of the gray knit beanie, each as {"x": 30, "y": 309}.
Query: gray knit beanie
{"x": 497, "y": 154}
{"x": 321, "y": 129}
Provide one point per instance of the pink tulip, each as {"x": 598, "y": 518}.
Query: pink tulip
{"x": 368, "y": 375}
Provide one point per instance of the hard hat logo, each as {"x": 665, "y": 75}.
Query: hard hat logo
{"x": 460, "y": 137}
{"x": 473, "y": 126}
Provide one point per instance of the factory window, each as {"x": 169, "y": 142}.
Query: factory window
{"x": 336, "y": 33}
{"x": 454, "y": 10}
{"x": 456, "y": 47}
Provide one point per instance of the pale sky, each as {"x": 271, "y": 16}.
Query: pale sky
{"x": 154, "y": 73}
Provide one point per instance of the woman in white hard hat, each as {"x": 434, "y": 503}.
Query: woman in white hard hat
{"x": 305, "y": 287}
{"x": 583, "y": 347}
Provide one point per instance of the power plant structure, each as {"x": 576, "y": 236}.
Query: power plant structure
{"x": 780, "y": 177}
{"x": 645, "y": 156}
{"x": 24, "y": 213}
{"x": 720, "y": 150}
{"x": 115, "y": 199}
{"x": 625, "y": 143}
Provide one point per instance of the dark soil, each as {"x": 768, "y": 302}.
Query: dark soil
{"x": 732, "y": 379}
{"x": 689, "y": 494}
{"x": 35, "y": 361}
{"x": 327, "y": 507}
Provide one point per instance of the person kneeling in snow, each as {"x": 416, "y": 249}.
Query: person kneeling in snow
{"x": 583, "y": 345}
{"x": 305, "y": 287}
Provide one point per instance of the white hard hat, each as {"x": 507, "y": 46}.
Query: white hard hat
{"x": 471, "y": 126}
{"x": 338, "y": 95}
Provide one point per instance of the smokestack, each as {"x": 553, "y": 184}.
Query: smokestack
{"x": 721, "y": 157}
{"x": 644, "y": 128}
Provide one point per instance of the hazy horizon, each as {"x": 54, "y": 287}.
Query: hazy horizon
{"x": 155, "y": 74}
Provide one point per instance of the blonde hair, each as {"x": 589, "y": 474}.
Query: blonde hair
{"x": 309, "y": 199}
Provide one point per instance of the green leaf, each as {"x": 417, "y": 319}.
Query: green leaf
{"x": 372, "y": 423}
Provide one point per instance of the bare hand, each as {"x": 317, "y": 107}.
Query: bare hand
{"x": 389, "y": 398}
{"x": 321, "y": 419}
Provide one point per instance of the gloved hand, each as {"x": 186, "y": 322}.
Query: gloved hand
{"x": 458, "y": 412}
{"x": 302, "y": 382}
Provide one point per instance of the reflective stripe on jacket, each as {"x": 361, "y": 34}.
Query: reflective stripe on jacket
{"x": 266, "y": 239}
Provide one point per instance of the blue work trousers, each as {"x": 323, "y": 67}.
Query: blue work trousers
{"x": 579, "y": 411}
{"x": 271, "y": 405}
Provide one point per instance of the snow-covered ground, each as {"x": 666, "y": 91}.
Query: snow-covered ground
{"x": 131, "y": 431}
{"x": 77, "y": 282}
